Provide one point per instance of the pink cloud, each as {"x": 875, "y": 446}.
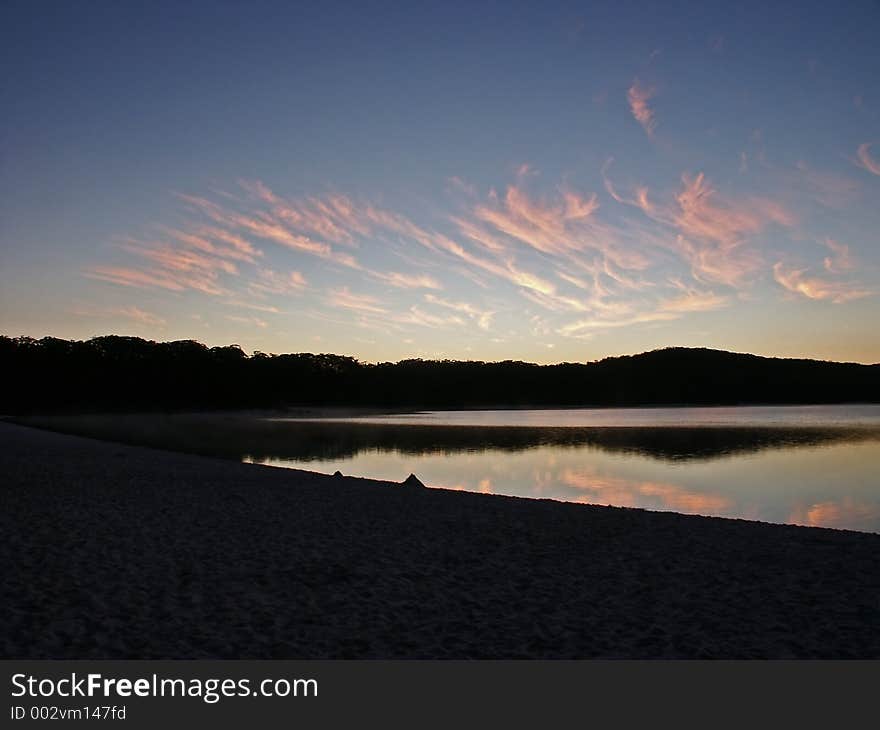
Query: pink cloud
{"x": 799, "y": 282}
{"x": 638, "y": 97}
{"x": 408, "y": 281}
{"x": 692, "y": 299}
{"x": 157, "y": 279}
{"x": 344, "y": 299}
{"x": 271, "y": 282}
{"x": 713, "y": 231}
{"x": 482, "y": 317}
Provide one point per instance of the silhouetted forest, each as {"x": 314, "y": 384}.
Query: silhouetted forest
{"x": 115, "y": 373}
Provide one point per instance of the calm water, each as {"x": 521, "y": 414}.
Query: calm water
{"x": 795, "y": 416}
{"x": 817, "y": 465}
{"x": 807, "y": 465}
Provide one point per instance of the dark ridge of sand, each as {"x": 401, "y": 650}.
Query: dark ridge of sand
{"x": 114, "y": 551}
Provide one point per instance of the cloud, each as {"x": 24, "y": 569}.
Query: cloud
{"x": 866, "y": 161}
{"x": 173, "y": 267}
{"x": 238, "y": 249}
{"x": 333, "y": 218}
{"x": 408, "y": 281}
{"x": 482, "y": 317}
{"x": 712, "y": 231}
{"x": 504, "y": 268}
{"x": 270, "y": 226}
{"x": 799, "y": 282}
{"x": 827, "y": 188}
{"x": 254, "y": 321}
{"x": 269, "y": 309}
{"x": 133, "y": 277}
{"x": 841, "y": 259}
{"x": 417, "y": 316}
{"x": 183, "y": 260}
{"x": 133, "y": 313}
{"x": 559, "y": 249}
{"x": 271, "y": 282}
{"x": 544, "y": 227}
{"x": 584, "y": 326}
{"x": 344, "y": 299}
{"x": 692, "y": 300}
{"x": 157, "y": 279}
{"x": 703, "y": 213}
{"x": 564, "y": 230}
{"x": 638, "y": 97}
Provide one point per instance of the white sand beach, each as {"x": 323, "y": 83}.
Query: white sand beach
{"x": 114, "y": 551}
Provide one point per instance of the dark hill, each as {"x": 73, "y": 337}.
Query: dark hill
{"x": 129, "y": 373}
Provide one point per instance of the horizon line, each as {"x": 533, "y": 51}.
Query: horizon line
{"x": 488, "y": 362}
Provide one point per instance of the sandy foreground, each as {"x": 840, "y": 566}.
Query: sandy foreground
{"x": 114, "y": 551}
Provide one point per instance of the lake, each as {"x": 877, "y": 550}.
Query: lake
{"x": 811, "y": 465}
{"x": 817, "y": 465}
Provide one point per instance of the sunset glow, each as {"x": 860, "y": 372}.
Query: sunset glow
{"x": 499, "y": 182}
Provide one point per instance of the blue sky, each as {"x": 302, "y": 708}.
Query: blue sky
{"x": 553, "y": 181}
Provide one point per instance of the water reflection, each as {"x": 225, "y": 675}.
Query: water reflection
{"x": 811, "y": 474}
{"x": 319, "y": 441}
{"x": 831, "y": 483}
{"x": 592, "y": 488}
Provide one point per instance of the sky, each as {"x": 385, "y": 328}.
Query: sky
{"x": 533, "y": 181}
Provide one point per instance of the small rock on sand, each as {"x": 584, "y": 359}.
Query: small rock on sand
{"x": 413, "y": 481}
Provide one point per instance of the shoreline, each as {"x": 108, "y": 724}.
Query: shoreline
{"x": 119, "y": 551}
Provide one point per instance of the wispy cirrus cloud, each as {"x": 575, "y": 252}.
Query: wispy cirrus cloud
{"x": 232, "y": 247}
{"x": 866, "y": 161}
{"x": 800, "y": 282}
{"x": 482, "y": 317}
{"x": 416, "y": 315}
{"x": 269, "y": 281}
{"x": 582, "y": 267}
{"x": 638, "y": 97}
{"x": 544, "y": 227}
{"x": 588, "y": 326}
{"x": 135, "y": 314}
{"x": 408, "y": 281}
{"x": 250, "y": 321}
{"x": 156, "y": 279}
{"x": 269, "y": 226}
{"x": 182, "y": 260}
{"x": 174, "y": 267}
{"x": 692, "y": 299}
{"x": 840, "y": 260}
{"x": 566, "y": 233}
{"x": 333, "y": 218}
{"x": 713, "y": 231}
{"x": 828, "y": 188}
{"x": 342, "y": 298}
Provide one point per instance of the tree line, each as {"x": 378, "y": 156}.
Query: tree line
{"x": 116, "y": 373}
